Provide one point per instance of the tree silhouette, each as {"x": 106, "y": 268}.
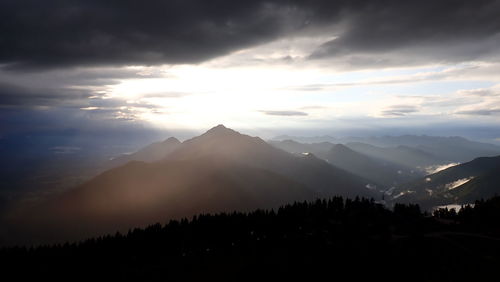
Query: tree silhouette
{"x": 337, "y": 238}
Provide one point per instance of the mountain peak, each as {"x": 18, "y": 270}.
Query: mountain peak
{"x": 220, "y": 130}
{"x": 172, "y": 140}
{"x": 340, "y": 148}
{"x": 218, "y": 127}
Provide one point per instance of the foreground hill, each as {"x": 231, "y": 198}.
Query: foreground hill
{"x": 351, "y": 240}
{"x": 141, "y": 193}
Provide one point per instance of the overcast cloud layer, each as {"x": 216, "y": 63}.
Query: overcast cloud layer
{"x": 75, "y": 33}
{"x": 285, "y": 63}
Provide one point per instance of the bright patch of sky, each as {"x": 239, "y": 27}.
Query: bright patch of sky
{"x": 241, "y": 91}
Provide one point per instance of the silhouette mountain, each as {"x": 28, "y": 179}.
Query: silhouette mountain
{"x": 220, "y": 170}
{"x": 139, "y": 193}
{"x": 151, "y": 153}
{"x": 378, "y": 171}
{"x": 450, "y": 149}
{"x": 311, "y": 171}
{"x": 403, "y": 155}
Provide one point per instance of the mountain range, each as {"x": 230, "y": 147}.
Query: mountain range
{"x": 451, "y": 148}
{"x": 380, "y": 171}
{"x": 223, "y": 170}
{"x": 461, "y": 184}
{"x": 426, "y": 170}
{"x": 220, "y": 170}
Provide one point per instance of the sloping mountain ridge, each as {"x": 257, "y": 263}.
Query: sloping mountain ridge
{"x": 309, "y": 170}
{"x": 379, "y": 171}
{"x": 444, "y": 186}
{"x": 483, "y": 186}
{"x": 403, "y": 155}
{"x": 221, "y": 170}
{"x": 151, "y": 153}
{"x": 444, "y": 148}
{"x": 139, "y": 193}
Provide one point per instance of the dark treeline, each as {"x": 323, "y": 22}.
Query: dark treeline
{"x": 483, "y": 216}
{"x": 335, "y": 239}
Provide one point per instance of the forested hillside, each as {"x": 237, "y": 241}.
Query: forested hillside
{"x": 335, "y": 238}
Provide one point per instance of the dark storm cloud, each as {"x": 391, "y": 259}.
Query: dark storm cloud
{"x": 59, "y": 33}
{"x": 13, "y": 96}
{"x": 116, "y": 107}
{"x": 439, "y": 30}
{"x": 63, "y": 33}
{"x": 69, "y": 87}
{"x": 284, "y": 113}
{"x": 91, "y": 77}
{"x": 18, "y": 96}
{"x": 54, "y": 80}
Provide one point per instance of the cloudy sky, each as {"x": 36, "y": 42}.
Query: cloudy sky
{"x": 266, "y": 67}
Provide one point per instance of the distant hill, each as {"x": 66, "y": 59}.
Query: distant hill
{"x": 402, "y": 155}
{"x": 295, "y": 147}
{"x": 303, "y": 139}
{"x": 379, "y": 171}
{"x": 462, "y": 183}
{"x": 445, "y": 149}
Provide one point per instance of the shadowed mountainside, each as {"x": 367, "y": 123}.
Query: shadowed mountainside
{"x": 451, "y": 149}
{"x": 221, "y": 170}
{"x": 139, "y": 193}
{"x": 481, "y": 187}
{"x": 455, "y": 184}
{"x": 253, "y": 151}
{"x": 403, "y": 155}
{"x": 378, "y": 171}
{"x": 151, "y": 153}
